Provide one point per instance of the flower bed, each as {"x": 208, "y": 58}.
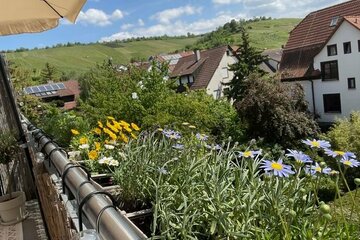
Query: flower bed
{"x": 201, "y": 190}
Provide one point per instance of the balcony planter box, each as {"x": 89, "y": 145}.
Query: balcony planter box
{"x": 12, "y": 210}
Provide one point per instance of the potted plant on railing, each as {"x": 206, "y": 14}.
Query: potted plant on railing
{"x": 12, "y": 205}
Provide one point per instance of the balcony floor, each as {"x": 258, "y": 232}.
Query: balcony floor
{"x": 32, "y": 228}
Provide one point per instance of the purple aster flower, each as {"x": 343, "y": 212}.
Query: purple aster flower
{"x": 178, "y": 146}
{"x": 213, "y": 147}
{"x": 171, "y": 134}
{"x": 334, "y": 154}
{"x": 277, "y": 168}
{"x": 317, "y": 143}
{"x": 313, "y": 169}
{"x": 349, "y": 162}
{"x": 202, "y": 137}
{"x": 299, "y": 156}
{"x": 248, "y": 154}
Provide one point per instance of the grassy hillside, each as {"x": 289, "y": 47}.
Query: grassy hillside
{"x": 270, "y": 34}
{"x": 81, "y": 58}
{"x": 263, "y": 34}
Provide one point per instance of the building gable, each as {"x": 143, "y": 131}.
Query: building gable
{"x": 308, "y": 38}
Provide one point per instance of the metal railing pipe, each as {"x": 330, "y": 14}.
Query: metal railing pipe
{"x": 111, "y": 224}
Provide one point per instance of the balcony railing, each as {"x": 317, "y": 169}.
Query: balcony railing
{"x": 91, "y": 201}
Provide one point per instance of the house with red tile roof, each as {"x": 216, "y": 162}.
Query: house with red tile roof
{"x": 64, "y": 93}
{"x": 323, "y": 55}
{"x": 206, "y": 69}
{"x": 170, "y": 59}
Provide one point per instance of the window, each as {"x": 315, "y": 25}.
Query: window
{"x": 347, "y": 47}
{"x": 332, "y": 50}
{"x": 329, "y": 71}
{"x": 359, "y": 45}
{"x": 332, "y": 103}
{"x": 334, "y": 21}
{"x": 224, "y": 72}
{"x": 351, "y": 83}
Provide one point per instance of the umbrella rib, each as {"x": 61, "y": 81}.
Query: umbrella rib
{"x": 53, "y": 9}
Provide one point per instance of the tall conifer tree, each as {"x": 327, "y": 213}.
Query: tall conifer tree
{"x": 249, "y": 60}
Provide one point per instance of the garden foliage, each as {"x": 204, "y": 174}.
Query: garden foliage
{"x": 198, "y": 189}
{"x": 149, "y": 99}
{"x": 275, "y": 111}
{"x": 345, "y": 135}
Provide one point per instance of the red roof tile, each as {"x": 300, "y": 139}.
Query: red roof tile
{"x": 315, "y": 28}
{"x": 310, "y": 35}
{"x": 72, "y": 87}
{"x": 353, "y": 20}
{"x": 202, "y": 70}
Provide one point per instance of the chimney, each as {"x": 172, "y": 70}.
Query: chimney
{"x": 197, "y": 54}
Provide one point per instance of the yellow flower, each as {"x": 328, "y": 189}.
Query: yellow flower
{"x": 93, "y": 154}
{"x": 160, "y": 129}
{"x": 97, "y": 146}
{"x": 100, "y": 124}
{"x": 128, "y": 129}
{"x": 83, "y": 140}
{"x": 185, "y": 123}
{"x": 133, "y": 136}
{"x": 135, "y": 127}
{"x": 124, "y": 124}
{"x": 112, "y": 136}
{"x": 97, "y": 131}
{"x": 112, "y": 127}
{"x": 117, "y": 125}
{"x": 75, "y": 132}
{"x": 110, "y": 118}
{"x": 124, "y": 138}
{"x": 192, "y": 127}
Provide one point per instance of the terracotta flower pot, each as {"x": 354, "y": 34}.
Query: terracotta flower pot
{"x": 12, "y": 211}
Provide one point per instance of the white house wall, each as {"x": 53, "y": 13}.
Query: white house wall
{"x": 348, "y": 67}
{"x": 215, "y": 83}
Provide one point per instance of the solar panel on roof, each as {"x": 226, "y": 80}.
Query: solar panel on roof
{"x": 48, "y": 87}
{"x": 61, "y": 85}
{"x": 35, "y": 89}
{"x": 42, "y": 89}
{"x": 28, "y": 90}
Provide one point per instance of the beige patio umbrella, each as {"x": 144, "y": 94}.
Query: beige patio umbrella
{"x": 28, "y": 16}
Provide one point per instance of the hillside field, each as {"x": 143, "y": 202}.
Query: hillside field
{"x": 266, "y": 34}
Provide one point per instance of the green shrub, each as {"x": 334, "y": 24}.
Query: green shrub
{"x": 58, "y": 124}
{"x": 345, "y": 135}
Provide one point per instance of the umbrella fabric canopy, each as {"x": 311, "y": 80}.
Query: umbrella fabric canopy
{"x": 27, "y": 16}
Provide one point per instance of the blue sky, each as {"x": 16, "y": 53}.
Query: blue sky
{"x": 106, "y": 20}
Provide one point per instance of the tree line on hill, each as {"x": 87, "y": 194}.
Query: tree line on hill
{"x": 221, "y": 36}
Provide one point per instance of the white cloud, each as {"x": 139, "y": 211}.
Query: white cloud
{"x": 117, "y": 14}
{"x": 226, "y": 1}
{"x": 98, "y": 17}
{"x": 174, "y": 29}
{"x": 141, "y": 22}
{"x": 285, "y": 8}
{"x": 278, "y": 8}
{"x": 170, "y": 14}
{"x": 126, "y": 26}
{"x": 169, "y": 24}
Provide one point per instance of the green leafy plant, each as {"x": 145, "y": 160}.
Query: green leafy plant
{"x": 8, "y": 148}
